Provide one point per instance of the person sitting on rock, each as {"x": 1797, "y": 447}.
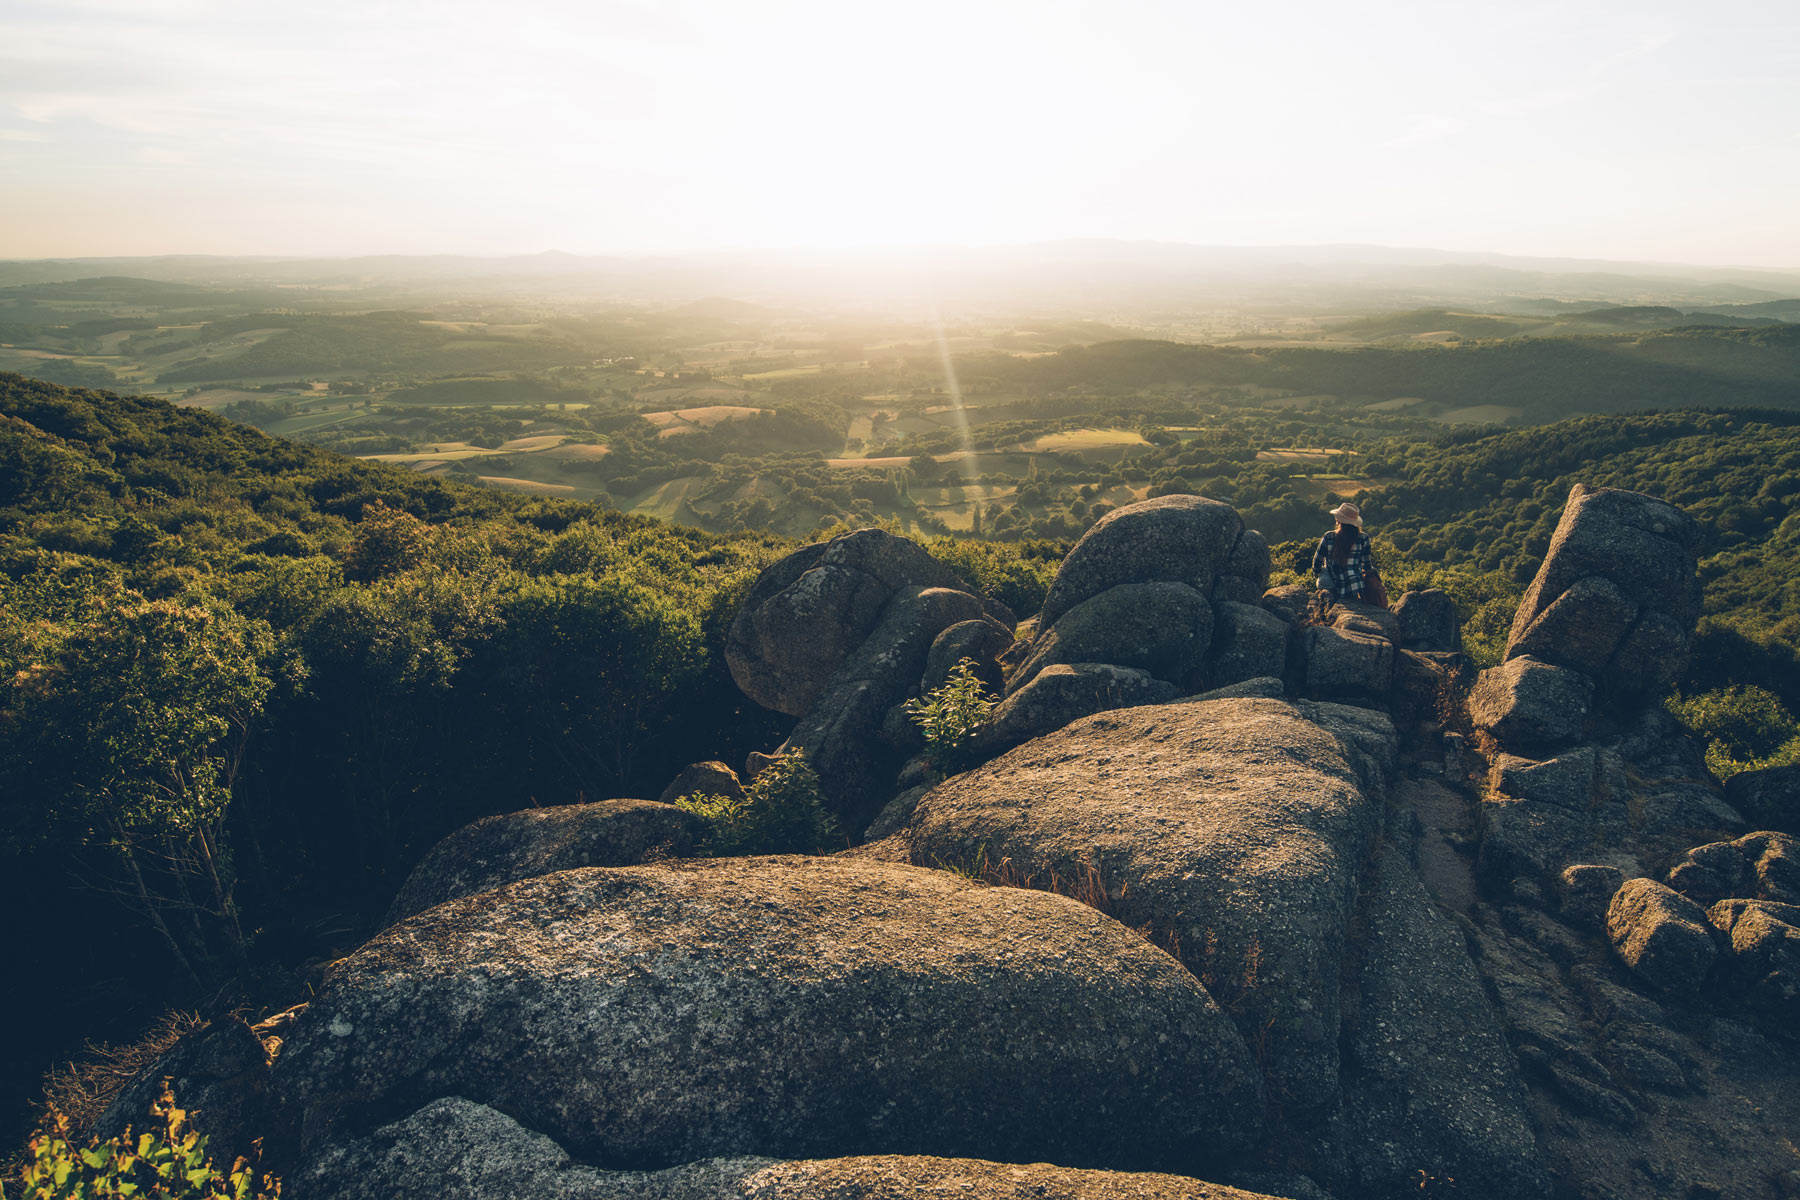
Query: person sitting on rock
{"x": 1345, "y": 562}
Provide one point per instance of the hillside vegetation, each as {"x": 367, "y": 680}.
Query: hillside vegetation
{"x": 246, "y": 682}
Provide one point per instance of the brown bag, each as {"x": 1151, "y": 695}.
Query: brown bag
{"x": 1374, "y": 591}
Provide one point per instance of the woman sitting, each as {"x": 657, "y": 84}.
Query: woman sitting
{"x": 1345, "y": 562}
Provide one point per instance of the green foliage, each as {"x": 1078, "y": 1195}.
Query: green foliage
{"x": 1017, "y": 574}
{"x": 1745, "y": 728}
{"x": 949, "y": 716}
{"x": 166, "y": 1162}
{"x": 782, "y": 812}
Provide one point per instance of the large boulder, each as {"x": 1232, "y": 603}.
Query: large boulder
{"x": 650, "y": 1016}
{"x": 1662, "y": 935}
{"x": 1181, "y": 539}
{"x": 1526, "y": 703}
{"x": 1063, "y": 693}
{"x": 1160, "y": 627}
{"x": 1617, "y": 595}
{"x": 454, "y": 1149}
{"x": 1233, "y": 829}
{"x": 1436, "y": 1088}
{"x": 498, "y": 850}
{"x": 808, "y": 613}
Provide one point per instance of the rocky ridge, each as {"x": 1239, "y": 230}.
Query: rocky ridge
{"x": 1320, "y": 948}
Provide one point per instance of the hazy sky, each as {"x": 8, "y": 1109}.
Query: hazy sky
{"x": 1635, "y": 129}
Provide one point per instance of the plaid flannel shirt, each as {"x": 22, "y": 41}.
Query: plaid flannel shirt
{"x": 1344, "y": 582}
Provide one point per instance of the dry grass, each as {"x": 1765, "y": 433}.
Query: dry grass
{"x": 83, "y": 1089}
{"x": 1083, "y": 882}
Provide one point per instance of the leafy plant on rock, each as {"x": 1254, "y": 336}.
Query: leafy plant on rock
{"x": 949, "y": 716}
{"x": 166, "y": 1162}
{"x": 782, "y": 812}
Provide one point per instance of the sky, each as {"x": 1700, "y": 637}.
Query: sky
{"x": 1632, "y": 130}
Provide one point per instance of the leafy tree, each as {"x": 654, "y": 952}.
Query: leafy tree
{"x": 127, "y": 728}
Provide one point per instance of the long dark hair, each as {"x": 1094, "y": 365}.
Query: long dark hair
{"x": 1341, "y": 545}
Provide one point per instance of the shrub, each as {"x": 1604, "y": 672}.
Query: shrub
{"x": 782, "y": 812}
{"x": 949, "y": 716}
{"x": 1745, "y": 727}
{"x": 168, "y": 1162}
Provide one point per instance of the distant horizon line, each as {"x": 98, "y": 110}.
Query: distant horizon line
{"x": 894, "y": 248}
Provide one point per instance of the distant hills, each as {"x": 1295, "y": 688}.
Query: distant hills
{"x": 1061, "y": 277}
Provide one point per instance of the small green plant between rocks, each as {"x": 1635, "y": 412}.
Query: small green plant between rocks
{"x": 782, "y": 812}
{"x": 949, "y": 716}
{"x": 167, "y": 1162}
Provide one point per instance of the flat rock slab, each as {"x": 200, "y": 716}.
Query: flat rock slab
{"x": 499, "y": 850}
{"x": 1233, "y": 829}
{"x": 453, "y": 1149}
{"x": 1066, "y": 692}
{"x": 1161, "y": 627}
{"x": 1436, "y": 1087}
{"x": 793, "y": 1007}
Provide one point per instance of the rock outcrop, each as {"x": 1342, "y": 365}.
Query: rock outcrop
{"x": 1617, "y": 595}
{"x": 495, "y": 851}
{"x": 453, "y": 1149}
{"x": 651, "y": 1016}
{"x": 838, "y": 634}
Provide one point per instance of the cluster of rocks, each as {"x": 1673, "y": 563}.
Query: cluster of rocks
{"x": 1247, "y": 927}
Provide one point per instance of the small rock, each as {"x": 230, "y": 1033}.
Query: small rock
{"x": 1662, "y": 935}
{"x": 1587, "y": 889}
{"x": 1712, "y": 872}
{"x": 711, "y": 778}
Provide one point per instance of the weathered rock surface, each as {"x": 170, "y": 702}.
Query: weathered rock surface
{"x": 1340, "y": 662}
{"x": 1764, "y": 943}
{"x": 1368, "y": 619}
{"x": 1248, "y": 643}
{"x": 1617, "y": 595}
{"x": 650, "y": 1016}
{"x": 1428, "y": 620}
{"x": 537, "y": 841}
{"x": 219, "y": 1072}
{"x": 1291, "y": 602}
{"x": 1160, "y": 627}
{"x": 1063, "y": 693}
{"x": 1526, "y": 703}
{"x": 1566, "y": 780}
{"x": 1181, "y": 539}
{"x": 1587, "y": 892}
{"x": 1661, "y": 935}
{"x": 1769, "y": 799}
{"x": 455, "y": 1150}
{"x": 982, "y": 640}
{"x": 711, "y": 778}
{"x": 1233, "y": 828}
{"x": 1436, "y": 1087}
{"x": 809, "y": 612}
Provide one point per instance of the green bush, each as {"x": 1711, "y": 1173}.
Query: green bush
{"x": 167, "y": 1162}
{"x": 1745, "y": 728}
{"x": 949, "y": 716}
{"x": 782, "y": 812}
